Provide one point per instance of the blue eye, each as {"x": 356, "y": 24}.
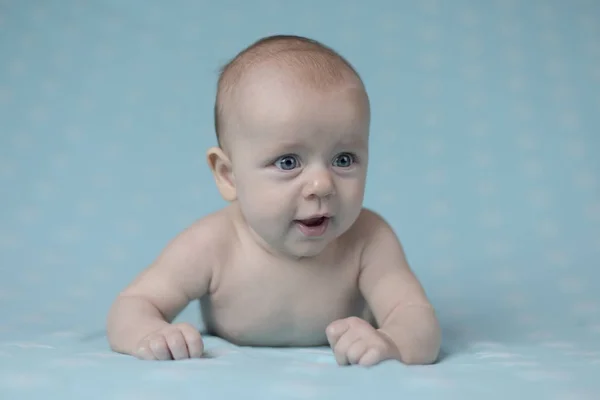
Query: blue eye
{"x": 287, "y": 163}
{"x": 344, "y": 160}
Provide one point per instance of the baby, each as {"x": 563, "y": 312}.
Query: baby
{"x": 294, "y": 259}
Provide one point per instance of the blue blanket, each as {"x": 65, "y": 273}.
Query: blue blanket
{"x": 71, "y": 364}
{"x": 484, "y": 158}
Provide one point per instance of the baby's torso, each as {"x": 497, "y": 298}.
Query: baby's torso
{"x": 263, "y": 301}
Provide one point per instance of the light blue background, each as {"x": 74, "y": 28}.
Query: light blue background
{"x": 485, "y": 143}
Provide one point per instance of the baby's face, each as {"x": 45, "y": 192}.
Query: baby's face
{"x": 300, "y": 153}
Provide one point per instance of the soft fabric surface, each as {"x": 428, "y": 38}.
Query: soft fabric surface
{"x": 73, "y": 365}
{"x": 484, "y": 158}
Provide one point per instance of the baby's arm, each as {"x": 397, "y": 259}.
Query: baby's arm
{"x": 396, "y": 297}
{"x": 180, "y": 274}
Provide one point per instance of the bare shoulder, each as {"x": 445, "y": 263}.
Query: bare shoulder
{"x": 208, "y": 236}
{"x": 369, "y": 228}
{"x": 188, "y": 266}
{"x": 202, "y": 248}
{"x": 380, "y": 246}
{"x": 371, "y": 220}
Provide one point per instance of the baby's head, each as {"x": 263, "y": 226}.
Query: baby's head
{"x": 292, "y": 120}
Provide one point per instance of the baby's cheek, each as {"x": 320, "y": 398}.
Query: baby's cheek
{"x": 264, "y": 206}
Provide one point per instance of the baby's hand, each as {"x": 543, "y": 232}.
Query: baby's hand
{"x": 173, "y": 342}
{"x": 355, "y": 341}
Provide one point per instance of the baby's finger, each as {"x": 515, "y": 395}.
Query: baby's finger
{"x": 160, "y": 348}
{"x": 341, "y": 348}
{"x": 356, "y": 351}
{"x": 335, "y": 330}
{"x": 194, "y": 341}
{"x": 177, "y": 345}
{"x": 371, "y": 357}
{"x": 145, "y": 353}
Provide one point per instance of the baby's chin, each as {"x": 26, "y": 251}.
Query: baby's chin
{"x": 298, "y": 249}
{"x": 306, "y": 252}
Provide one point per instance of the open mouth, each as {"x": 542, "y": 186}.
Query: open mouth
{"x": 313, "y": 226}
{"x": 313, "y": 221}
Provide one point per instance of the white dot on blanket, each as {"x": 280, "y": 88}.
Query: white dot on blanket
{"x": 586, "y": 308}
{"x": 540, "y": 198}
{"x": 548, "y": 229}
{"x": 170, "y": 374}
{"x": 435, "y": 177}
{"x": 9, "y": 241}
{"x": 430, "y": 6}
{"x": 429, "y": 381}
{"x": 27, "y": 214}
{"x": 74, "y": 362}
{"x": 528, "y": 141}
{"x": 497, "y": 355}
{"x": 5, "y": 95}
{"x": 571, "y": 120}
{"x": 80, "y": 292}
{"x": 139, "y": 393}
{"x": 24, "y": 380}
{"x": 7, "y": 169}
{"x": 296, "y": 389}
{"x": 7, "y": 294}
{"x": 469, "y": 17}
{"x": 68, "y": 234}
{"x": 16, "y": 67}
{"x": 558, "y": 345}
{"x": 432, "y": 118}
{"x": 86, "y": 208}
{"x": 439, "y": 208}
{"x": 575, "y": 394}
{"x": 33, "y": 319}
{"x": 442, "y": 237}
{"x": 527, "y": 319}
{"x": 558, "y": 257}
{"x": 222, "y": 351}
{"x": 481, "y": 159}
{"x": 485, "y": 188}
{"x": 516, "y": 299}
{"x": 532, "y": 168}
{"x": 592, "y": 211}
{"x": 430, "y": 60}
{"x": 472, "y": 71}
{"x": 540, "y": 335}
{"x": 499, "y": 247}
{"x": 434, "y": 146}
{"x": 585, "y": 180}
{"x": 431, "y": 90}
{"x": 537, "y": 375}
{"x": 29, "y": 345}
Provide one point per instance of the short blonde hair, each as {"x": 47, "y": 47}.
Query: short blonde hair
{"x": 313, "y": 63}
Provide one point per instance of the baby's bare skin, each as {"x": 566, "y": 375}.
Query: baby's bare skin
{"x": 251, "y": 297}
{"x": 261, "y": 299}
{"x": 295, "y": 152}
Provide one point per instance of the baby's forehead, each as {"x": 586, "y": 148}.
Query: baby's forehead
{"x": 273, "y": 80}
{"x": 294, "y": 113}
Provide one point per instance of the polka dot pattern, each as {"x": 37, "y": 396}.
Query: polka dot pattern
{"x": 483, "y": 158}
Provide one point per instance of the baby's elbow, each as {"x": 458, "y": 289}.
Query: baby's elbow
{"x": 424, "y": 358}
{"x": 423, "y": 355}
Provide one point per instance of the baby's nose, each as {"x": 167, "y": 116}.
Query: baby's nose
{"x": 320, "y": 184}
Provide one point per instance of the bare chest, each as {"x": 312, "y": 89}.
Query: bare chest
{"x": 275, "y": 305}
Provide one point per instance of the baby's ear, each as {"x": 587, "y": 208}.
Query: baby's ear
{"x": 220, "y": 165}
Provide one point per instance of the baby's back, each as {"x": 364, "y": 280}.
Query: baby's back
{"x": 261, "y": 299}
